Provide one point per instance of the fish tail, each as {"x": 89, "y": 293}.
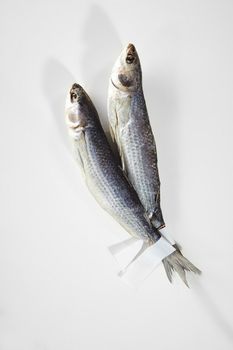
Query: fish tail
{"x": 177, "y": 262}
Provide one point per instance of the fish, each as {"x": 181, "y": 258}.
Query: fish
{"x": 131, "y": 130}
{"x": 106, "y": 180}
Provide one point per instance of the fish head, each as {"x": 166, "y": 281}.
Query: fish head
{"x": 76, "y": 110}
{"x": 126, "y": 75}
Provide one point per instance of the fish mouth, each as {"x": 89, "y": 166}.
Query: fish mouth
{"x": 76, "y": 92}
{"x": 130, "y": 48}
{"x": 130, "y": 53}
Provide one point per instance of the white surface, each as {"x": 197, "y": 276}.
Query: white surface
{"x": 58, "y": 286}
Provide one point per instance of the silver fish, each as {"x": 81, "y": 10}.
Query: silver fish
{"x": 130, "y": 128}
{"x": 106, "y": 180}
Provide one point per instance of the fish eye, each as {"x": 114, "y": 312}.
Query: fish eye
{"x": 129, "y": 58}
{"x": 73, "y": 96}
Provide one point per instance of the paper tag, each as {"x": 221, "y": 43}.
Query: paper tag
{"x": 125, "y": 251}
{"x": 166, "y": 235}
{"x": 143, "y": 266}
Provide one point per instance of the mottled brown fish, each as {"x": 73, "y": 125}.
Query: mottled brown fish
{"x": 106, "y": 180}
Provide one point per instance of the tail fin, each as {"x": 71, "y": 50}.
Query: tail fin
{"x": 177, "y": 262}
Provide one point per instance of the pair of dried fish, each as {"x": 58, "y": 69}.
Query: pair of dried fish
{"x": 131, "y": 193}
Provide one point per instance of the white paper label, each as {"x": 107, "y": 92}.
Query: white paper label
{"x": 166, "y": 235}
{"x": 143, "y": 266}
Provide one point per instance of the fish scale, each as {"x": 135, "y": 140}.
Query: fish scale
{"x": 107, "y": 182}
{"x": 131, "y": 129}
{"x": 140, "y": 167}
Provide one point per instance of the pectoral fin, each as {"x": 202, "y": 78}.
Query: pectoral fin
{"x": 80, "y": 150}
{"x": 114, "y": 131}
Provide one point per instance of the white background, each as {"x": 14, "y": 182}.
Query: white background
{"x": 59, "y": 288}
